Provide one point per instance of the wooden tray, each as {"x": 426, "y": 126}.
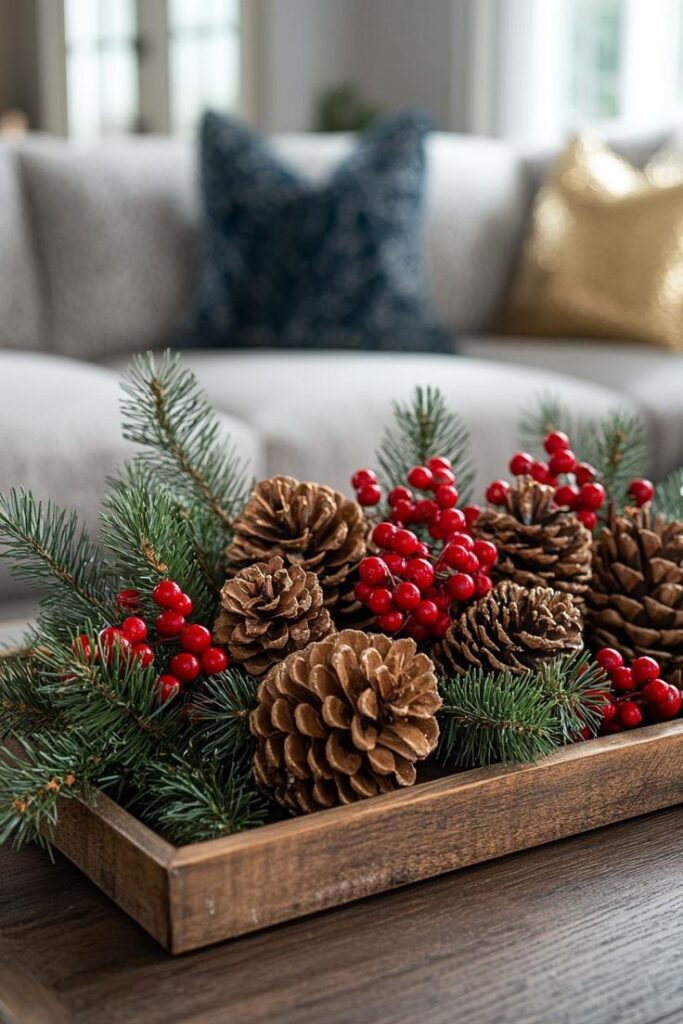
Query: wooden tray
{"x": 191, "y": 896}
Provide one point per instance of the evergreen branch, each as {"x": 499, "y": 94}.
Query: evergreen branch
{"x": 222, "y": 726}
{"x": 423, "y": 427}
{"x": 165, "y": 409}
{"x": 49, "y": 551}
{"x": 668, "y": 498}
{"x": 24, "y": 709}
{"x": 191, "y": 803}
{"x": 489, "y": 718}
{"x": 33, "y": 778}
{"x": 575, "y": 689}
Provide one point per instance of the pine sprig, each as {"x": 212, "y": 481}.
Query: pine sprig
{"x": 222, "y": 726}
{"x": 24, "y": 708}
{"x": 165, "y": 409}
{"x": 423, "y": 427}
{"x": 191, "y": 803}
{"x": 574, "y": 688}
{"x": 49, "y": 550}
{"x": 669, "y": 496}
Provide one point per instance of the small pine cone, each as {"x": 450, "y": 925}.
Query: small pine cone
{"x": 538, "y": 545}
{"x": 635, "y": 602}
{"x": 345, "y": 719}
{"x": 268, "y": 611}
{"x": 306, "y": 524}
{"x": 511, "y": 629}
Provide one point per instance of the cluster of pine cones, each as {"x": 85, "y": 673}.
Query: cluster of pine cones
{"x": 344, "y": 714}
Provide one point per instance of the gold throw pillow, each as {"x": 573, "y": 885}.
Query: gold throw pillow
{"x": 604, "y": 253}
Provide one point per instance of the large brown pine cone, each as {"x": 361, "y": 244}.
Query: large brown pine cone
{"x": 635, "y": 602}
{"x": 345, "y": 719}
{"x": 538, "y": 545}
{"x": 306, "y": 524}
{"x": 511, "y": 629}
{"x": 268, "y": 611}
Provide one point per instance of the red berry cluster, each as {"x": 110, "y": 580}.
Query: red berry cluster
{"x": 131, "y": 639}
{"x": 575, "y": 483}
{"x": 638, "y": 696}
{"x": 413, "y": 583}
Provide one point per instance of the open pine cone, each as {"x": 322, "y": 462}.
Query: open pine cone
{"x": 635, "y": 602}
{"x": 511, "y": 629}
{"x": 306, "y": 524}
{"x": 268, "y": 611}
{"x": 345, "y": 719}
{"x": 538, "y": 545}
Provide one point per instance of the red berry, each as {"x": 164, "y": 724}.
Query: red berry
{"x": 185, "y": 666}
{"x": 587, "y": 519}
{"x": 608, "y": 710}
{"x": 383, "y": 534}
{"x": 426, "y": 613}
{"x": 622, "y": 679}
{"x": 442, "y": 625}
{"x": 456, "y": 557}
{"x": 373, "y": 570}
{"x": 128, "y": 599}
{"x": 540, "y": 472}
{"x": 170, "y": 624}
{"x": 380, "y": 601}
{"x": 183, "y": 605}
{"x": 642, "y": 491}
{"x": 390, "y": 622}
{"x": 567, "y": 495}
{"x": 369, "y": 494}
{"x": 406, "y": 596}
{"x": 497, "y": 492}
{"x": 486, "y": 552}
{"x": 630, "y": 714}
{"x": 562, "y": 461}
{"x": 438, "y": 462}
{"x": 555, "y": 441}
{"x": 112, "y": 640}
{"x": 451, "y": 520}
{"x": 671, "y": 707}
{"x": 195, "y": 639}
{"x": 463, "y": 540}
{"x": 422, "y": 550}
{"x": 437, "y": 531}
{"x": 402, "y": 512}
{"x": 656, "y": 691}
{"x": 405, "y": 542}
{"x": 421, "y": 572}
{"x": 167, "y": 686}
{"x": 584, "y": 473}
{"x": 426, "y": 511}
{"x": 396, "y": 564}
{"x": 461, "y": 586}
{"x": 420, "y": 477}
{"x": 520, "y": 463}
{"x": 471, "y": 513}
{"x": 399, "y": 494}
{"x": 482, "y": 584}
{"x": 82, "y": 647}
{"x": 592, "y": 496}
{"x": 362, "y": 477}
{"x": 443, "y": 477}
{"x": 134, "y": 629}
{"x": 446, "y": 496}
{"x": 362, "y": 591}
{"x": 644, "y": 670}
{"x": 166, "y": 593}
{"x": 441, "y": 598}
{"x": 609, "y": 659}
{"x": 214, "y": 660}
{"x": 416, "y": 630}
{"x": 144, "y": 654}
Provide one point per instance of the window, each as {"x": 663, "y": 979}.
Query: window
{"x": 594, "y": 64}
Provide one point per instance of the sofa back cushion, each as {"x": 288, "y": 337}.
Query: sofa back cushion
{"x": 21, "y": 312}
{"x": 116, "y": 227}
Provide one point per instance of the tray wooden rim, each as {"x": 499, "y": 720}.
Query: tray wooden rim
{"x": 201, "y": 893}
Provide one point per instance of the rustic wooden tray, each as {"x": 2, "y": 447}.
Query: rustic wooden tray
{"x": 191, "y": 896}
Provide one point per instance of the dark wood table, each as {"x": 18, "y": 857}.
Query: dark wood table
{"x": 582, "y": 931}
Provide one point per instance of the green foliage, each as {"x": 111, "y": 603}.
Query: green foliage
{"x": 223, "y": 714}
{"x": 669, "y": 496}
{"x": 489, "y": 717}
{"x": 615, "y": 445}
{"x": 423, "y": 427}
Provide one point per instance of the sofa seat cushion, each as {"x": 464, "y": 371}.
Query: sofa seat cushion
{"x": 60, "y": 426}
{"x": 321, "y": 415}
{"x": 650, "y": 379}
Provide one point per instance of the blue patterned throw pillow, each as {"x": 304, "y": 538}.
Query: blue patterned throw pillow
{"x": 290, "y": 264}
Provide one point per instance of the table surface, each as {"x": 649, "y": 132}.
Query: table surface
{"x": 585, "y": 930}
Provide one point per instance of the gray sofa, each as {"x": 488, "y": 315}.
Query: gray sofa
{"x": 97, "y": 261}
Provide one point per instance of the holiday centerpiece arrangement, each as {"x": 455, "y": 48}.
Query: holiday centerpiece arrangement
{"x": 233, "y": 652}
